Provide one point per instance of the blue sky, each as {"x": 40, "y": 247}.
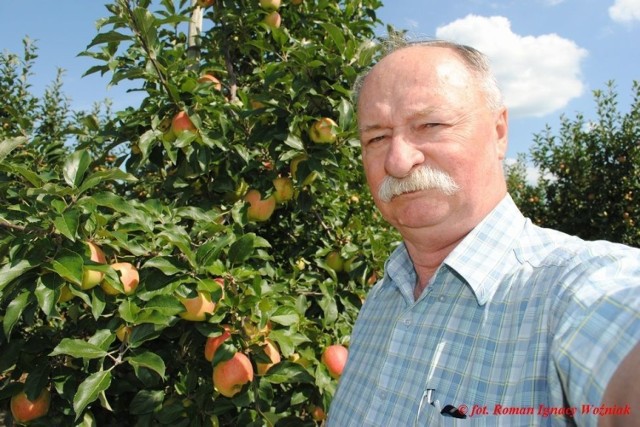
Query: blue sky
{"x": 549, "y": 55}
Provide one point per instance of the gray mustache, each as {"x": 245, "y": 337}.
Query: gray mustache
{"x": 423, "y": 178}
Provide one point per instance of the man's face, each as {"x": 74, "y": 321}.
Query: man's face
{"x": 420, "y": 106}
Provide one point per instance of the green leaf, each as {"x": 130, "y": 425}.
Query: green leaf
{"x": 67, "y": 223}
{"x": 285, "y": 316}
{"x": 336, "y": 34}
{"x": 108, "y": 175}
{"x": 110, "y": 37}
{"x": 69, "y": 265}
{"x": 75, "y": 167}
{"x": 288, "y": 373}
{"x": 8, "y": 145}
{"x": 27, "y": 174}
{"x": 90, "y": 389}
{"x": 14, "y": 311}
{"x": 241, "y": 249}
{"x": 9, "y": 271}
{"x": 78, "y": 348}
{"x": 146, "y": 402}
{"x": 168, "y": 265}
{"x": 148, "y": 360}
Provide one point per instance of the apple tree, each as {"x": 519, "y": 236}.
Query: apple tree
{"x": 590, "y": 173}
{"x": 188, "y": 260}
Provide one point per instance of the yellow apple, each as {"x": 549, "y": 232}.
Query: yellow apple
{"x": 91, "y": 278}
{"x": 25, "y": 410}
{"x": 65, "y": 294}
{"x": 284, "y": 189}
{"x": 296, "y": 2}
{"x": 129, "y": 278}
{"x": 270, "y": 4}
{"x": 273, "y": 20}
{"x": 294, "y": 170}
{"x": 323, "y": 131}
{"x": 210, "y": 78}
{"x": 123, "y": 333}
{"x": 271, "y": 350}
{"x": 334, "y": 358}
{"x": 197, "y": 308}
{"x": 259, "y": 209}
{"x": 231, "y": 375}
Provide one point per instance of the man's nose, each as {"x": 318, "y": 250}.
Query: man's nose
{"x": 402, "y": 157}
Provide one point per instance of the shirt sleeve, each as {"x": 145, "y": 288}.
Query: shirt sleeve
{"x": 599, "y": 325}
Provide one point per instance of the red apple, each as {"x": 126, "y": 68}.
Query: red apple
{"x": 323, "y": 131}
{"x": 197, "y": 308}
{"x": 231, "y": 375}
{"x": 334, "y": 358}
{"x": 213, "y": 343}
{"x": 270, "y": 4}
{"x": 25, "y": 410}
{"x": 129, "y": 278}
{"x": 284, "y": 189}
{"x": 271, "y": 350}
{"x": 205, "y": 3}
{"x": 92, "y": 278}
{"x": 210, "y": 78}
{"x": 259, "y": 209}
{"x": 318, "y": 414}
{"x": 182, "y": 123}
{"x": 273, "y": 20}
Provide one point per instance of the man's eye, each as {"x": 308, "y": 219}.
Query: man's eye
{"x": 428, "y": 125}
{"x": 375, "y": 139}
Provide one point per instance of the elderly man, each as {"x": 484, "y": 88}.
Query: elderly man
{"x": 480, "y": 314}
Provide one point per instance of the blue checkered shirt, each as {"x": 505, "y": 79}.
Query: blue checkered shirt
{"x": 517, "y": 319}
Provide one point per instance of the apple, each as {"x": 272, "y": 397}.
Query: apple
{"x": 284, "y": 189}
{"x": 231, "y": 375}
{"x": 205, "y": 3}
{"x": 65, "y": 294}
{"x": 334, "y": 358}
{"x": 296, "y": 2}
{"x": 270, "y": 4}
{"x": 294, "y": 170}
{"x": 91, "y": 278}
{"x": 271, "y": 350}
{"x": 210, "y": 78}
{"x": 197, "y": 308}
{"x": 259, "y": 209}
{"x": 129, "y": 278}
{"x": 25, "y": 410}
{"x": 181, "y": 123}
{"x": 334, "y": 261}
{"x": 213, "y": 343}
{"x": 318, "y": 414}
{"x": 251, "y": 330}
{"x": 256, "y": 105}
{"x": 323, "y": 131}
{"x": 123, "y": 333}
{"x": 273, "y": 20}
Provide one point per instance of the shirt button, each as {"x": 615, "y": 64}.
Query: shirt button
{"x": 407, "y": 322}
{"x": 441, "y": 298}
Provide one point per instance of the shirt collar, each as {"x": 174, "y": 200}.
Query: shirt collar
{"x": 480, "y": 258}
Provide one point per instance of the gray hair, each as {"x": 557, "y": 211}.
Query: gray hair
{"x": 476, "y": 62}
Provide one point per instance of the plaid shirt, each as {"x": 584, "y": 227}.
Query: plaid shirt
{"x": 517, "y": 319}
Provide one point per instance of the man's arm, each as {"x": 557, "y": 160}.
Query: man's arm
{"x": 624, "y": 389}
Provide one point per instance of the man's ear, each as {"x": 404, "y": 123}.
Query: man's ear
{"x": 502, "y": 132}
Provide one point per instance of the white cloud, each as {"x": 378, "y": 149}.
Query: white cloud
{"x": 538, "y": 74}
{"x": 625, "y": 11}
{"x": 553, "y": 2}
